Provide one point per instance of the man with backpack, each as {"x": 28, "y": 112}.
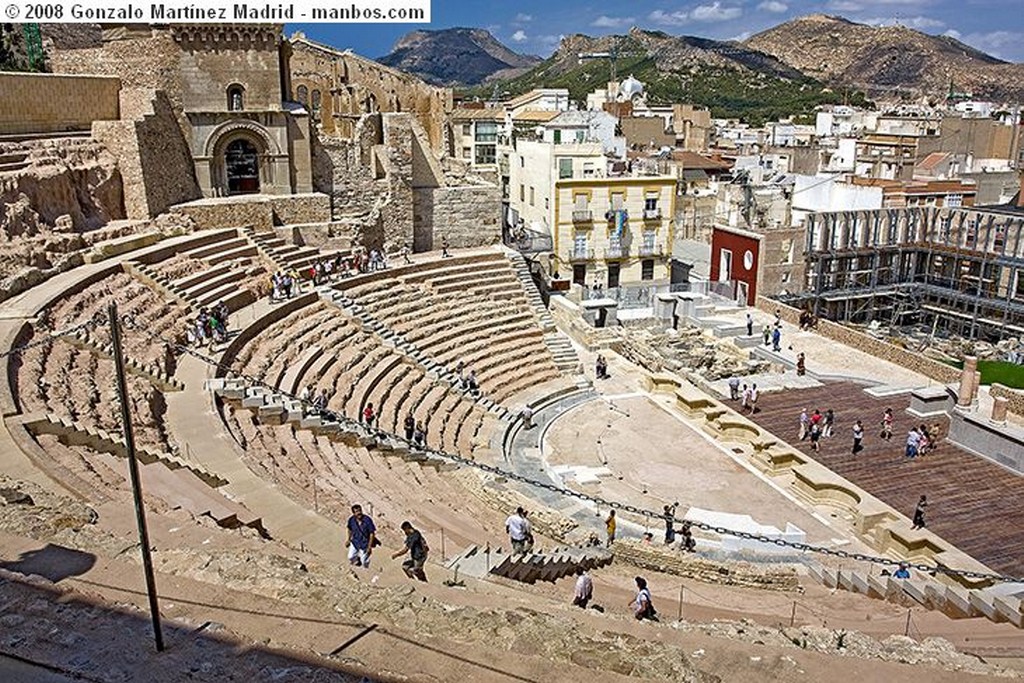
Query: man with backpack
{"x": 643, "y": 607}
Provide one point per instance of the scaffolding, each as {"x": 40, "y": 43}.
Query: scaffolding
{"x": 959, "y": 271}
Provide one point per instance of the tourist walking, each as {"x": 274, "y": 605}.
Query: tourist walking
{"x": 745, "y": 396}
{"x": 887, "y": 424}
{"x": 444, "y": 248}
{"x": 409, "y": 425}
{"x": 777, "y": 339}
{"x": 858, "y": 437}
{"x": 767, "y": 334}
{"x": 362, "y": 537}
{"x": 919, "y": 513}
{"x": 601, "y": 367}
{"x": 801, "y": 366}
{"x": 815, "y": 434}
{"x": 753, "y": 398}
{"x": 734, "y": 387}
{"x": 828, "y": 423}
{"x": 805, "y": 422}
{"x": 687, "y": 543}
{"x": 609, "y": 527}
{"x": 368, "y": 415}
{"x": 750, "y": 325}
{"x": 913, "y": 441}
{"x": 519, "y": 532}
{"x": 643, "y": 606}
{"x": 670, "y": 517}
{"x": 417, "y": 548}
{"x": 419, "y": 436}
{"x": 584, "y": 589}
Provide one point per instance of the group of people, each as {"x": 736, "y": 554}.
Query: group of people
{"x": 922, "y": 440}
{"x": 747, "y": 395}
{"x": 210, "y": 326}
{"x": 415, "y": 431}
{"x": 317, "y": 400}
{"x": 466, "y": 380}
{"x": 816, "y": 425}
{"x": 362, "y": 539}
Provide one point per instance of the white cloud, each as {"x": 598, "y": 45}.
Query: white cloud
{"x": 548, "y": 42}
{"x": 519, "y": 36}
{"x": 522, "y": 18}
{"x": 612, "y": 22}
{"x": 679, "y": 18}
{"x": 1002, "y": 44}
{"x": 773, "y": 6}
{"x": 715, "y": 12}
{"x": 742, "y": 36}
{"x": 920, "y": 23}
{"x": 953, "y": 33}
{"x": 843, "y": 6}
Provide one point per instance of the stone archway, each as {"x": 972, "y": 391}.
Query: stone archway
{"x": 242, "y": 166}
{"x": 241, "y": 155}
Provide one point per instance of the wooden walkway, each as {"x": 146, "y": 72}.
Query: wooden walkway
{"x": 973, "y": 503}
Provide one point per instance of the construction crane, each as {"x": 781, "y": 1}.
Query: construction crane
{"x": 611, "y": 56}
{"x": 33, "y": 47}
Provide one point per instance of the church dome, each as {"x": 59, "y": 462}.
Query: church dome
{"x": 630, "y": 88}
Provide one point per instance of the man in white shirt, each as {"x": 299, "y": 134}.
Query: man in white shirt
{"x": 519, "y": 532}
{"x": 584, "y": 588}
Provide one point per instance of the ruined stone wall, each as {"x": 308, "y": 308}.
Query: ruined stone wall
{"x": 350, "y": 85}
{"x": 260, "y": 212}
{"x": 782, "y": 267}
{"x": 468, "y": 216}
{"x": 44, "y": 103}
{"x": 933, "y": 369}
{"x": 397, "y": 209}
{"x": 152, "y": 155}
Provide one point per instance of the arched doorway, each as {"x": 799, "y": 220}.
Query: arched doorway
{"x": 242, "y": 167}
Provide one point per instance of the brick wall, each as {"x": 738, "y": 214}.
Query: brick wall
{"x": 933, "y": 369}
{"x": 42, "y": 103}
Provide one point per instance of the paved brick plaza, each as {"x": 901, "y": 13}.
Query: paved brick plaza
{"x": 973, "y": 503}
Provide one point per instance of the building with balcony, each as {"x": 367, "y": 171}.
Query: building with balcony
{"x": 475, "y": 136}
{"x": 613, "y": 231}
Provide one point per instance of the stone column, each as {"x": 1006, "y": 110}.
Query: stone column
{"x": 999, "y": 410}
{"x": 966, "y": 392}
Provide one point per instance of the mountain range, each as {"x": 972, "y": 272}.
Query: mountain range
{"x": 784, "y": 70}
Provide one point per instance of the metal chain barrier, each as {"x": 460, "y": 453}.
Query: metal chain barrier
{"x": 54, "y": 336}
{"x": 129, "y": 323}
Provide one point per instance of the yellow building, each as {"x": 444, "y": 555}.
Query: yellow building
{"x": 614, "y": 231}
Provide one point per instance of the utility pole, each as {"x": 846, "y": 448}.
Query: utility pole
{"x": 133, "y": 471}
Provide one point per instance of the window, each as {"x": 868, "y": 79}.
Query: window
{"x": 618, "y": 199}
{"x": 235, "y": 98}
{"x": 579, "y": 274}
{"x": 522, "y": 193}
{"x": 486, "y": 131}
{"x": 485, "y": 154}
{"x": 316, "y": 101}
{"x": 588, "y": 169}
{"x": 565, "y": 168}
{"x": 558, "y": 136}
{"x": 954, "y": 200}
{"x": 302, "y": 94}
{"x": 547, "y": 203}
{"x": 532, "y": 196}
{"x": 467, "y": 153}
{"x": 651, "y": 203}
{"x": 467, "y": 129}
{"x": 580, "y": 136}
{"x": 647, "y": 269}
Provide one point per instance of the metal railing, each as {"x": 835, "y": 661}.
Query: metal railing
{"x": 616, "y": 251}
{"x": 581, "y": 216}
{"x": 652, "y": 214}
{"x": 580, "y": 254}
{"x": 652, "y": 250}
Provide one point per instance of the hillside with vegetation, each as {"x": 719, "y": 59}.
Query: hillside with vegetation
{"x": 732, "y": 80}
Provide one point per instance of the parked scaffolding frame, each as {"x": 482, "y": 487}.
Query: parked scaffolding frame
{"x": 958, "y": 270}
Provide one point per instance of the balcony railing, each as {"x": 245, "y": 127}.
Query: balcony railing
{"x": 580, "y": 254}
{"x": 616, "y": 251}
{"x": 652, "y": 214}
{"x": 652, "y": 250}
{"x": 580, "y": 216}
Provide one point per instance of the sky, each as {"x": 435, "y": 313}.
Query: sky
{"x": 536, "y": 26}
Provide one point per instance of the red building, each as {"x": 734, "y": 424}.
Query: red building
{"x": 735, "y": 257}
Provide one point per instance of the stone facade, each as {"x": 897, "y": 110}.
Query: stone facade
{"x": 467, "y": 216}
{"x": 155, "y": 164}
{"x": 933, "y": 369}
{"x": 262, "y": 213}
{"x": 338, "y": 87}
{"x": 47, "y": 103}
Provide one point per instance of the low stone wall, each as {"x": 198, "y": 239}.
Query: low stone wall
{"x": 51, "y": 103}
{"x": 261, "y": 212}
{"x": 933, "y": 369}
{"x": 1014, "y": 397}
{"x": 663, "y": 559}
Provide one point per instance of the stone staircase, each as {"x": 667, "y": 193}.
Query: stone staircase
{"x": 13, "y": 162}
{"x": 531, "y": 567}
{"x": 151, "y": 373}
{"x": 566, "y": 358}
{"x": 277, "y": 408}
{"x": 71, "y": 433}
{"x": 999, "y": 604}
{"x": 285, "y": 256}
{"x": 402, "y": 345}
